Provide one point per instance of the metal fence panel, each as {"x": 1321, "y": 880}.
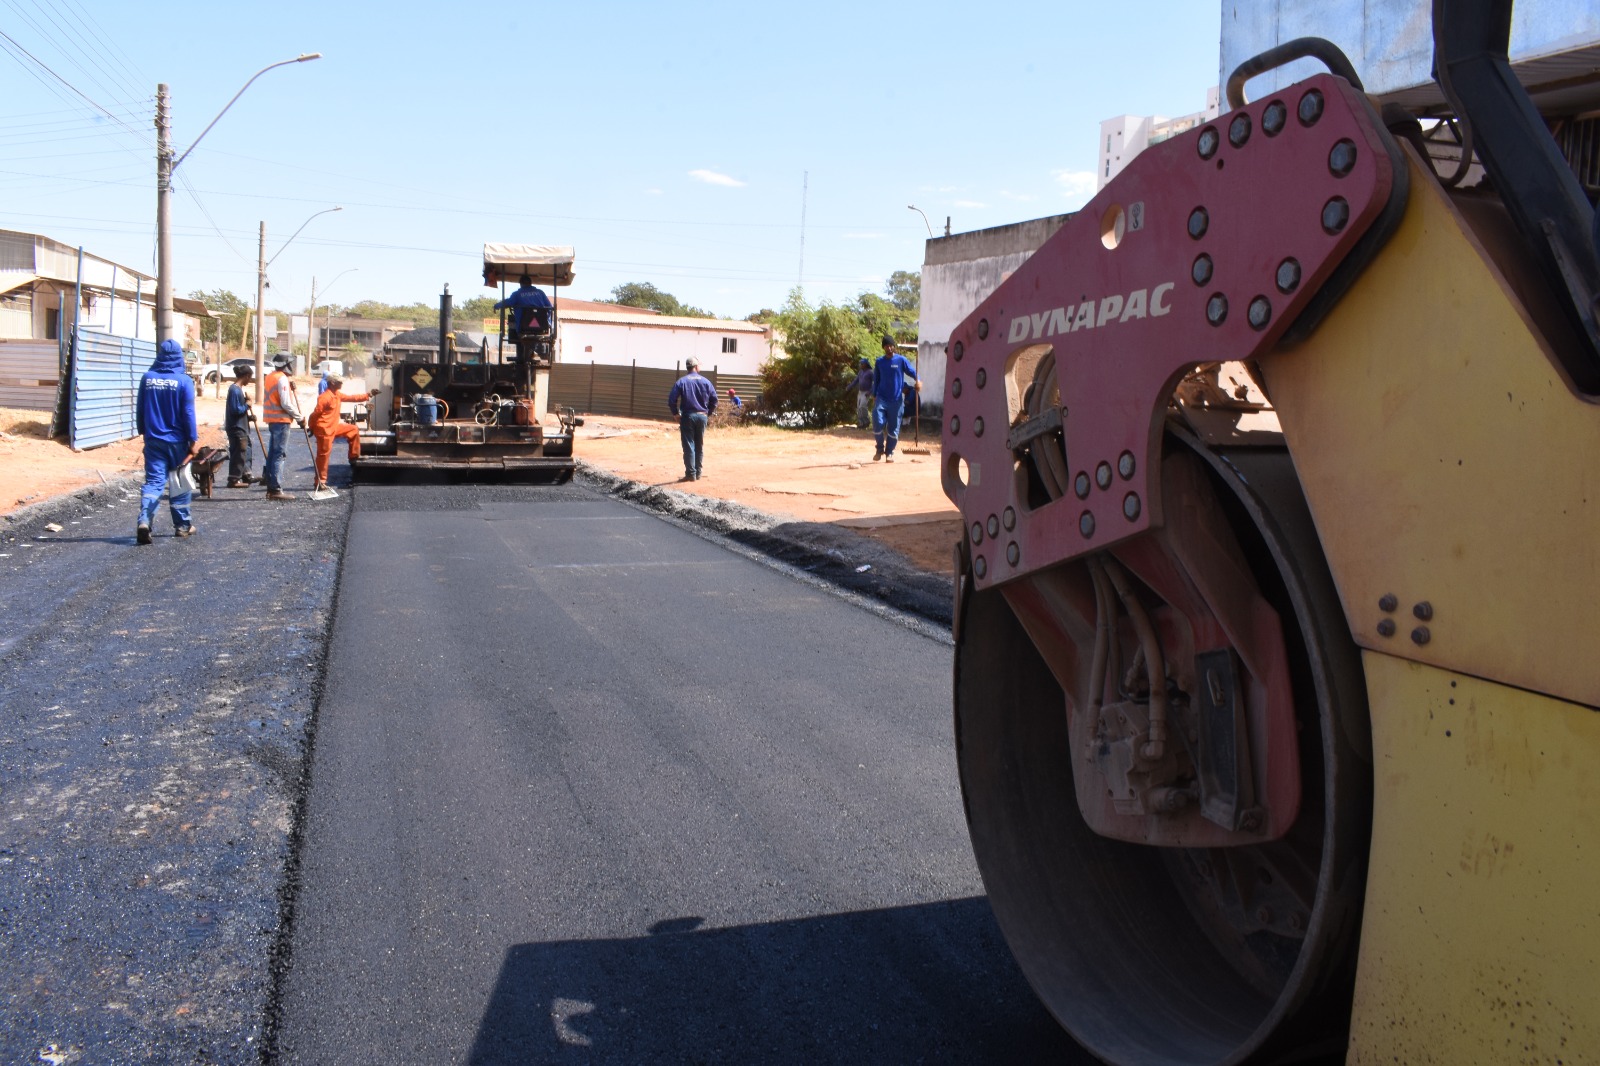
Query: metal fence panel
{"x": 105, "y": 386}
{"x": 30, "y": 371}
{"x": 632, "y": 391}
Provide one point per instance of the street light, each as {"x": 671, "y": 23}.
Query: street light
{"x": 924, "y": 214}
{"x": 261, "y": 287}
{"x": 164, "y": 168}
{"x": 311, "y": 315}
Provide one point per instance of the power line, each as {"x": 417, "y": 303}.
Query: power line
{"x": 60, "y": 35}
{"x": 135, "y": 76}
{"x": 45, "y": 67}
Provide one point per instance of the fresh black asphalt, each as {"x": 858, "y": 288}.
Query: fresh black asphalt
{"x": 587, "y": 785}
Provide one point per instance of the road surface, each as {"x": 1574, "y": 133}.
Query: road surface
{"x": 586, "y": 784}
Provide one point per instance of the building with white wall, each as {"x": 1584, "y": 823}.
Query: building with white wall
{"x": 39, "y": 275}
{"x": 624, "y": 336}
{"x": 1125, "y": 136}
{"x": 960, "y": 272}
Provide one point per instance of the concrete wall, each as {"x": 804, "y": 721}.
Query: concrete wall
{"x": 958, "y": 273}
{"x": 661, "y": 342}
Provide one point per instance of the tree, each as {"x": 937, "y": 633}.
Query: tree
{"x": 896, "y": 312}
{"x": 228, "y": 314}
{"x": 905, "y": 292}
{"x": 644, "y": 294}
{"x": 470, "y": 313}
{"x": 821, "y": 348}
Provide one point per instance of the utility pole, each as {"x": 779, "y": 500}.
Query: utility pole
{"x": 261, "y": 295}
{"x": 163, "y": 217}
{"x": 311, "y": 324}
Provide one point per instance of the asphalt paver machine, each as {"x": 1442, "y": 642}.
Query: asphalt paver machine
{"x": 1277, "y": 694}
{"x": 479, "y": 409}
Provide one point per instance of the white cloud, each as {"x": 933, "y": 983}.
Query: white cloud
{"x": 652, "y": 192}
{"x": 1020, "y": 197}
{"x": 711, "y": 177}
{"x": 1076, "y": 185}
{"x": 968, "y": 203}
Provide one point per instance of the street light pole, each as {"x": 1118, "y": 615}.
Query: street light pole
{"x": 163, "y": 217}
{"x": 924, "y": 214}
{"x": 261, "y": 297}
{"x": 165, "y": 165}
{"x": 311, "y": 319}
{"x": 262, "y": 263}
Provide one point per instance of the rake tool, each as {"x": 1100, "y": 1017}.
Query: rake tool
{"x": 916, "y": 431}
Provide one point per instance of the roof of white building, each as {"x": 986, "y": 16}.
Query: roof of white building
{"x": 651, "y": 319}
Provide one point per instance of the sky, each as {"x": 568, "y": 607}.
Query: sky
{"x": 722, "y": 152}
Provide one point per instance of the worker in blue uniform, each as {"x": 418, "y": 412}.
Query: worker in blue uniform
{"x": 692, "y": 399}
{"x": 888, "y": 389}
{"x": 530, "y": 308}
{"x": 164, "y": 416}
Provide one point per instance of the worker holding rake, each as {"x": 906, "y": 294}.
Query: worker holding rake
{"x": 326, "y": 425}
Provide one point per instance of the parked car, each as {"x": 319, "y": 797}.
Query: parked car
{"x": 328, "y": 366}
{"x": 212, "y": 372}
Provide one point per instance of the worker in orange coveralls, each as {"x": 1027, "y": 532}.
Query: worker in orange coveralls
{"x": 326, "y": 425}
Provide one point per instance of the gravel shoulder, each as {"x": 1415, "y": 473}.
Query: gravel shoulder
{"x": 158, "y": 710}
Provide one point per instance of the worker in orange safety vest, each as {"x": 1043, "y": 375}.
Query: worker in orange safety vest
{"x": 326, "y": 425}
{"x": 280, "y": 407}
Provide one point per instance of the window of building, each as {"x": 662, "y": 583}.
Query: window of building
{"x": 730, "y": 344}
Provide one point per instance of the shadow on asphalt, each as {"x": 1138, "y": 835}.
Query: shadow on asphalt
{"x": 924, "y": 983}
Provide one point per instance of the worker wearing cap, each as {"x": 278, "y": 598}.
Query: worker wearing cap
{"x": 326, "y": 426}
{"x": 692, "y": 399}
{"x": 236, "y": 423}
{"x": 279, "y": 409}
{"x": 863, "y": 390}
{"x": 888, "y": 390}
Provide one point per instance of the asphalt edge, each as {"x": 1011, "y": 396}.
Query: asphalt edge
{"x": 842, "y": 558}
{"x": 280, "y": 957}
{"x": 25, "y": 521}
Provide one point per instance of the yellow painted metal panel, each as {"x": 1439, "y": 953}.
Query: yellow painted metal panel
{"x": 1446, "y": 462}
{"x": 1480, "y": 940}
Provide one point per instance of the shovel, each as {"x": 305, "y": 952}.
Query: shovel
{"x": 916, "y": 431}
{"x": 317, "y": 494}
{"x": 263, "y": 444}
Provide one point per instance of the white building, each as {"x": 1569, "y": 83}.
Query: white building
{"x": 38, "y": 276}
{"x": 960, "y": 272}
{"x": 1125, "y": 136}
{"x": 612, "y": 335}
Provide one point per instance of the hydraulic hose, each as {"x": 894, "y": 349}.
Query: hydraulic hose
{"x": 1155, "y": 665}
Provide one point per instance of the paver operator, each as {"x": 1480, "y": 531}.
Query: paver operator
{"x": 529, "y": 307}
{"x": 327, "y": 426}
{"x": 692, "y": 399}
{"x": 888, "y": 389}
{"x": 165, "y": 418}
{"x": 279, "y": 408}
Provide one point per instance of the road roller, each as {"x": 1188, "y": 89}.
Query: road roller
{"x": 1277, "y": 656}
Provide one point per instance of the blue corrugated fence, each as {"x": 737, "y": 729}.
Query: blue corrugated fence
{"x": 105, "y": 386}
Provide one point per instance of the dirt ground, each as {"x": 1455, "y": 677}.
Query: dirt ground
{"x": 809, "y": 475}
